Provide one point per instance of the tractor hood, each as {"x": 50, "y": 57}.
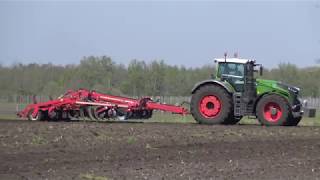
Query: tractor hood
{"x": 277, "y": 86}
{"x": 267, "y": 83}
{"x": 290, "y": 88}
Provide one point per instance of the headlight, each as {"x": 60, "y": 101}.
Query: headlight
{"x": 288, "y": 87}
{"x": 294, "y": 89}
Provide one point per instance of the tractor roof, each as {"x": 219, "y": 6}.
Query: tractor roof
{"x": 233, "y": 60}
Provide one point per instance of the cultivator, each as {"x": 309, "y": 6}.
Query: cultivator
{"x": 91, "y": 105}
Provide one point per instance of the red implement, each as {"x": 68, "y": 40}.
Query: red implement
{"x": 84, "y": 104}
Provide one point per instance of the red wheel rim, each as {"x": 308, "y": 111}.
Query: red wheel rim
{"x": 272, "y": 112}
{"x": 210, "y": 106}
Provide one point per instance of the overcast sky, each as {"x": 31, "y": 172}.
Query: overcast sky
{"x": 189, "y": 33}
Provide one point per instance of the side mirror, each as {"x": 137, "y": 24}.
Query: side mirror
{"x": 261, "y": 70}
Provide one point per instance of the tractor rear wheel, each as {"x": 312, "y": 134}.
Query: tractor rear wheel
{"x": 211, "y": 104}
{"x": 273, "y": 110}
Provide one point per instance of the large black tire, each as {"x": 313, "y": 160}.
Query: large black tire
{"x": 225, "y": 112}
{"x": 232, "y": 120}
{"x": 294, "y": 121}
{"x": 273, "y": 110}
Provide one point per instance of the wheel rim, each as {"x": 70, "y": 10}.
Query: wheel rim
{"x": 272, "y": 112}
{"x": 33, "y": 118}
{"x": 210, "y": 106}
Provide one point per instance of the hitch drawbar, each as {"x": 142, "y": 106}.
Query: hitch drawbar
{"x": 85, "y": 104}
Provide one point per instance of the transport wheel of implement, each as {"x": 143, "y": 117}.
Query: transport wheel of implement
{"x": 37, "y": 118}
{"x": 211, "y": 104}
{"x": 273, "y": 110}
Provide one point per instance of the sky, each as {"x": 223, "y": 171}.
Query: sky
{"x": 189, "y": 33}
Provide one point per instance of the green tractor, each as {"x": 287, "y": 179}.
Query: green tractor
{"x": 234, "y": 92}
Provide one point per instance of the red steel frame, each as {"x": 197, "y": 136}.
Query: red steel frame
{"x": 74, "y": 100}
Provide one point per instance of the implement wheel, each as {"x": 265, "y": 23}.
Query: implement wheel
{"x": 273, "y": 110}
{"x": 37, "y": 118}
{"x": 211, "y": 104}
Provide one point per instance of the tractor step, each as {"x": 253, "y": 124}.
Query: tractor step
{"x": 238, "y": 105}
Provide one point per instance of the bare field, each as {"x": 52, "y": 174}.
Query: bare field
{"x": 90, "y": 150}
{"x": 166, "y": 146}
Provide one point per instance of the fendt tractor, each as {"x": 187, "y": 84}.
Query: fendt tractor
{"x": 232, "y": 93}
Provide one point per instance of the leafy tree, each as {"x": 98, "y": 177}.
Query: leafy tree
{"x": 137, "y": 79}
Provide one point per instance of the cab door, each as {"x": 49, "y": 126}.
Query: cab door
{"x": 233, "y": 73}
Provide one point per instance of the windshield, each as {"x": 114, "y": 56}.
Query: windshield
{"x": 233, "y": 69}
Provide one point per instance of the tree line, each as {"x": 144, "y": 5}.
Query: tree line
{"x": 138, "y": 78}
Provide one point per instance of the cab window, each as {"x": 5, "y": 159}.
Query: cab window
{"x": 234, "y": 69}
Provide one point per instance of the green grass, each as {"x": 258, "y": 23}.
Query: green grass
{"x": 92, "y": 177}
{"x": 8, "y": 110}
{"x": 38, "y": 140}
{"x": 131, "y": 140}
{"x": 311, "y": 121}
{"x": 8, "y": 117}
{"x": 170, "y": 118}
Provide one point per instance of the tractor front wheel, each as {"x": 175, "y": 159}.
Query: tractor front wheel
{"x": 273, "y": 110}
{"x": 294, "y": 121}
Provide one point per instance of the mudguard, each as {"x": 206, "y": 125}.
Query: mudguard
{"x": 225, "y": 85}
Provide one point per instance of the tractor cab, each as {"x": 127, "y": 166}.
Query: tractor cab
{"x": 234, "y": 71}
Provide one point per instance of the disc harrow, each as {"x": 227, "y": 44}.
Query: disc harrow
{"x": 88, "y": 105}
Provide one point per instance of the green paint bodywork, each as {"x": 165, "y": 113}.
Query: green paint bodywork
{"x": 266, "y": 86}
{"x": 263, "y": 86}
{"x": 271, "y": 86}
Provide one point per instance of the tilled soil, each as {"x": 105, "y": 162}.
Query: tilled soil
{"x": 82, "y": 150}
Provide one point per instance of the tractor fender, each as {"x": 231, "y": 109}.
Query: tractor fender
{"x": 226, "y": 86}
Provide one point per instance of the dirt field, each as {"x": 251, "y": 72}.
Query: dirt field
{"x": 83, "y": 150}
